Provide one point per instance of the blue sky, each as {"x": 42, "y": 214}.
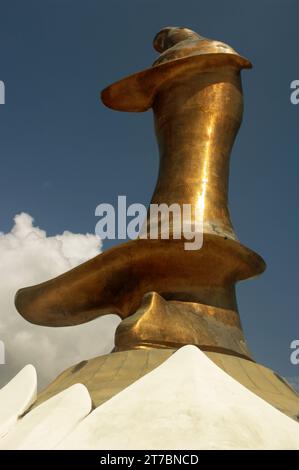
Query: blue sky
{"x": 63, "y": 152}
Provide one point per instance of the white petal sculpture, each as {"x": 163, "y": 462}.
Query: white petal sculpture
{"x": 16, "y": 397}
{"x": 46, "y": 425}
{"x": 186, "y": 403}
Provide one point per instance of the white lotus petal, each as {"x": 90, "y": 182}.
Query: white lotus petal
{"x": 188, "y": 402}
{"x": 46, "y": 425}
{"x": 16, "y": 397}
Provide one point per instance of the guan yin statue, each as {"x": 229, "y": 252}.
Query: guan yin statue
{"x": 167, "y": 296}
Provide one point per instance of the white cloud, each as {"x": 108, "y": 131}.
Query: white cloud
{"x": 28, "y": 256}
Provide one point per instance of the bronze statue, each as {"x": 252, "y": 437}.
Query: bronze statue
{"x": 165, "y": 295}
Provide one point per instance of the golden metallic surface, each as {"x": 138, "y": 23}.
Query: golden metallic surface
{"x": 195, "y": 91}
{"x": 160, "y": 323}
{"x": 178, "y": 43}
{"x": 197, "y": 117}
{"x": 116, "y": 280}
{"x": 105, "y": 376}
{"x": 167, "y": 296}
{"x": 182, "y": 50}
